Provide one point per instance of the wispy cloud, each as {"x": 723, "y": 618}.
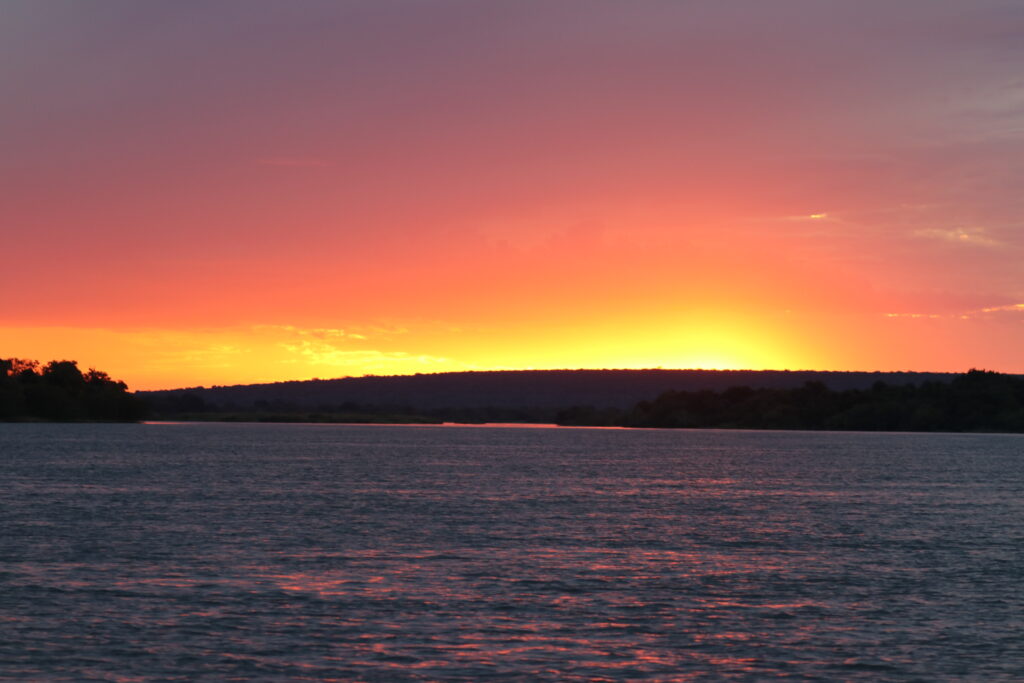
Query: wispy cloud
{"x": 987, "y": 312}
{"x": 971, "y": 236}
{"x": 1012, "y": 308}
{"x": 344, "y": 349}
{"x": 353, "y": 332}
{"x": 931, "y": 316}
{"x": 818, "y": 216}
{"x": 325, "y": 354}
{"x": 314, "y": 332}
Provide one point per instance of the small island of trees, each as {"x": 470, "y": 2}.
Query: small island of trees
{"x": 59, "y": 391}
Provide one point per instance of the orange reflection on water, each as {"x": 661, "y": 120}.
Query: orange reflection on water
{"x": 602, "y": 610}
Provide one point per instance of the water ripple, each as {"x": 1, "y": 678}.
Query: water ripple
{"x": 208, "y": 552}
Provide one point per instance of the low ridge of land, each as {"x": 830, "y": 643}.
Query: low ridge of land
{"x": 520, "y": 395}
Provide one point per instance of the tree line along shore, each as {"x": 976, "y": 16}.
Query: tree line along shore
{"x": 978, "y": 401}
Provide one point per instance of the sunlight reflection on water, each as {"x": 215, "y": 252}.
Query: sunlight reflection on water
{"x": 386, "y": 553}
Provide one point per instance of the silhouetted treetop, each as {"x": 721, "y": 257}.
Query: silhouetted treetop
{"x": 59, "y": 391}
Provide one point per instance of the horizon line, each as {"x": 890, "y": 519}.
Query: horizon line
{"x": 524, "y": 370}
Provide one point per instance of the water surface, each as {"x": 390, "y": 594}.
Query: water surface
{"x": 211, "y": 551}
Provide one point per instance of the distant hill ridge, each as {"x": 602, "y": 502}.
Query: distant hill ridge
{"x": 547, "y": 389}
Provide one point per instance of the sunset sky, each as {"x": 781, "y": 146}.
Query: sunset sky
{"x": 234, "y": 191}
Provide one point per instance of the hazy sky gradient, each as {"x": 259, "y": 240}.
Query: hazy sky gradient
{"x": 233, "y": 191}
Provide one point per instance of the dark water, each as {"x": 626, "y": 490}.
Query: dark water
{"x": 311, "y": 552}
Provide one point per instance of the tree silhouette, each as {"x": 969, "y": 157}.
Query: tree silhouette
{"x": 978, "y": 400}
{"x": 60, "y": 392}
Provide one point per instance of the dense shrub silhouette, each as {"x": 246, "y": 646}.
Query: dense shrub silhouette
{"x": 59, "y": 391}
{"x": 978, "y": 400}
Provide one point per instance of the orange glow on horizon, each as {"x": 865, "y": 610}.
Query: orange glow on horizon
{"x": 602, "y": 187}
{"x": 162, "y": 359}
